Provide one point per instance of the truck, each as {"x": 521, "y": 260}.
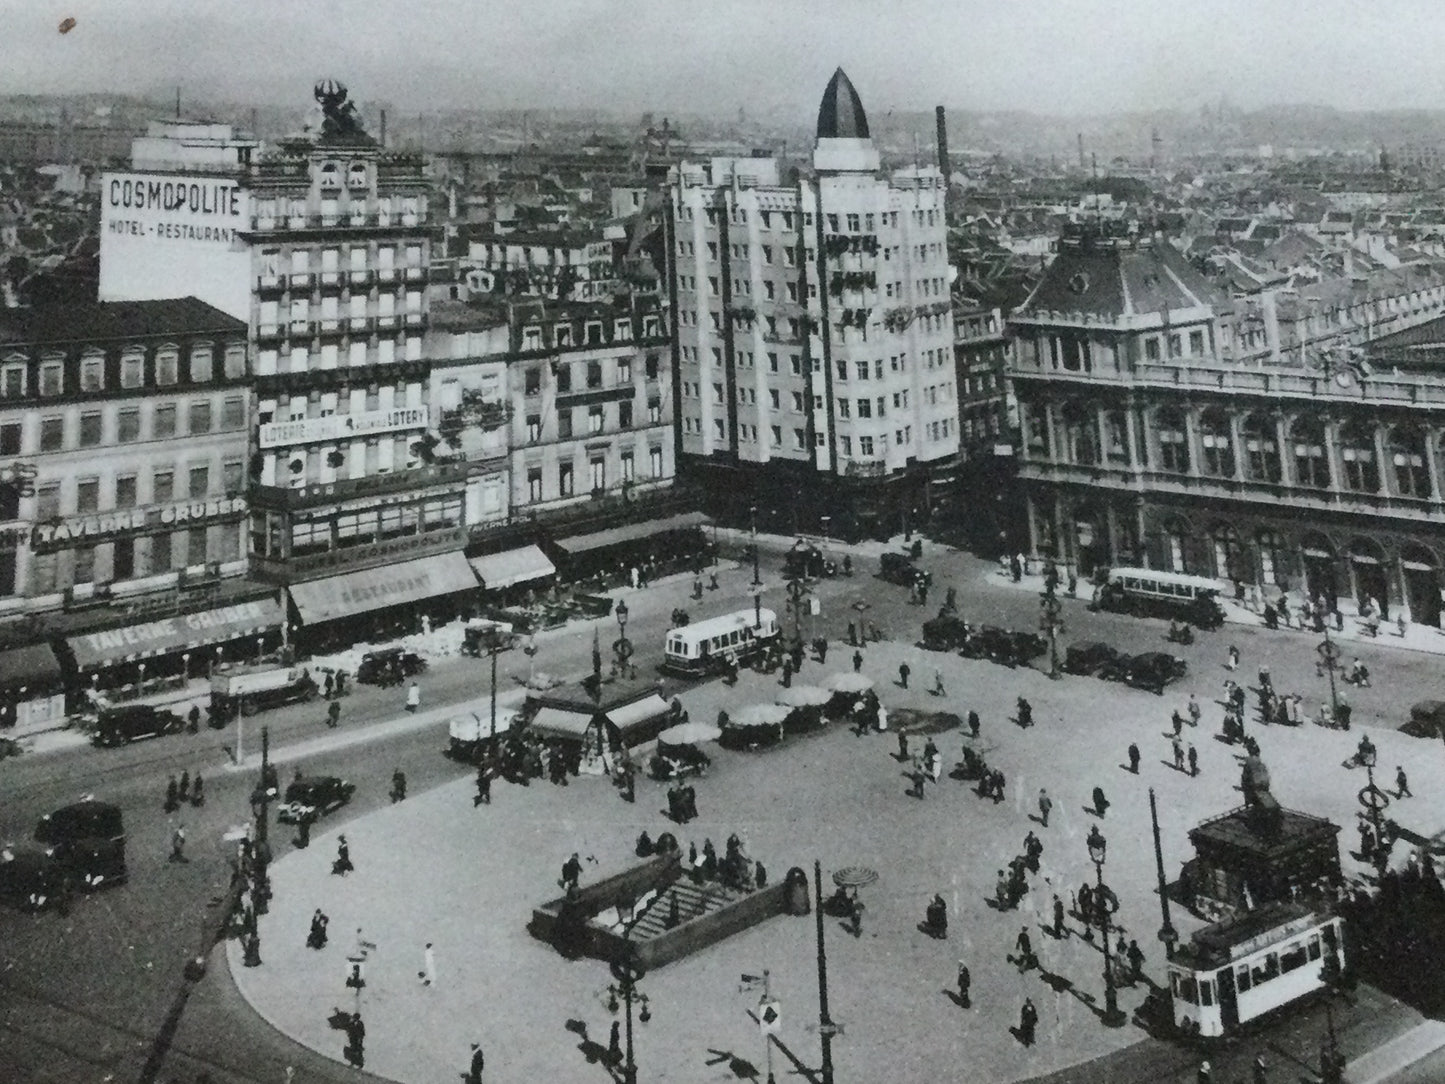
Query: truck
{"x": 249, "y": 689}
{"x": 470, "y": 734}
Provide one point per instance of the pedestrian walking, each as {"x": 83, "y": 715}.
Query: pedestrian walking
{"x": 903, "y": 672}
{"x": 1178, "y": 722}
{"x": 938, "y": 689}
{"x": 1195, "y": 711}
{"x": 1133, "y": 758}
{"x": 198, "y": 791}
{"x": 1001, "y": 892}
{"x": 571, "y": 871}
{"x": 1232, "y": 659}
{"x": 428, "y": 972}
{"x": 1046, "y": 804}
{"x": 1264, "y": 680}
{"x": 172, "y": 792}
{"x": 398, "y": 786}
{"x": 413, "y": 696}
{"x": 178, "y": 844}
{"x": 973, "y": 724}
{"x": 857, "y": 661}
{"x": 484, "y": 787}
{"x": 183, "y": 789}
{"x": 328, "y": 685}
{"x": 1060, "y": 930}
{"x": 193, "y": 718}
{"x": 1193, "y": 762}
{"x": 902, "y": 746}
{"x": 1027, "y": 961}
{"x": 965, "y": 980}
{"x": 787, "y": 673}
{"x": 1135, "y": 955}
{"x": 1402, "y": 784}
{"x": 342, "y": 866}
{"x": 918, "y": 775}
{"x": 476, "y": 1065}
{"x": 1101, "y": 804}
{"x": 1028, "y": 1022}
{"x": 333, "y": 714}
{"x": 822, "y": 649}
{"x": 1178, "y": 753}
{"x": 1205, "y": 1075}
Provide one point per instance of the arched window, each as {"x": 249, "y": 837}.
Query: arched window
{"x": 1173, "y": 440}
{"x": 1357, "y": 455}
{"x": 1214, "y": 436}
{"x": 1227, "y": 553}
{"x": 1271, "y": 554}
{"x": 1261, "y": 449}
{"x": 1407, "y": 457}
{"x": 1311, "y": 468}
{"x": 1176, "y": 545}
{"x": 1081, "y": 433}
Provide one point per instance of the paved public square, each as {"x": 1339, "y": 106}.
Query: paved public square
{"x": 435, "y": 869}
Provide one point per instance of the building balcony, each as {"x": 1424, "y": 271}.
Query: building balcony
{"x": 270, "y": 332}
{"x": 415, "y": 274}
{"x": 270, "y": 284}
{"x": 373, "y": 485}
{"x": 372, "y": 372}
{"x": 300, "y": 281}
{"x": 300, "y": 327}
{"x": 1209, "y": 488}
{"x": 280, "y": 570}
{"x": 329, "y": 328}
{"x": 358, "y": 325}
{"x": 415, "y": 319}
{"x": 356, "y": 218}
{"x": 331, "y": 280}
{"x": 359, "y": 278}
{"x": 1271, "y": 383}
{"x": 386, "y": 274}
{"x": 387, "y": 322}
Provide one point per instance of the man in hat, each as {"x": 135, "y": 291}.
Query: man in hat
{"x": 478, "y": 1063}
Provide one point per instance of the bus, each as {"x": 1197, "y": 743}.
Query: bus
{"x": 704, "y": 647}
{"x": 1239, "y": 970}
{"x": 1145, "y": 592}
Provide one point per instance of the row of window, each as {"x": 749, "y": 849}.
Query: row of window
{"x": 532, "y": 338}
{"x": 566, "y": 485}
{"x": 357, "y": 257}
{"x": 86, "y": 494}
{"x": 297, "y": 358}
{"x": 131, "y": 558}
{"x": 130, "y": 371}
{"x": 357, "y": 307}
{"x": 596, "y": 420}
{"x": 88, "y": 428}
{"x": 366, "y": 527}
{"x": 740, "y": 214}
{"x": 592, "y": 375}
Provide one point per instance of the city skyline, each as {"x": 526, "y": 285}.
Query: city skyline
{"x": 1072, "y": 58}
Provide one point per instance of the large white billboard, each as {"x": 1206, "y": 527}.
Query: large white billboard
{"x": 175, "y": 235}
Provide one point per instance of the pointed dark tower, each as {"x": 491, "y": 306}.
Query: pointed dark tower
{"x": 841, "y": 115}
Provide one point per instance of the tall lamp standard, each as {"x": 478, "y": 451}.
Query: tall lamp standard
{"x": 1051, "y": 621}
{"x": 757, "y": 572}
{"x": 623, "y": 647}
{"x": 628, "y": 973}
{"x": 1372, "y": 798}
{"x": 1112, "y": 1016}
{"x": 1330, "y": 661}
{"x": 494, "y": 644}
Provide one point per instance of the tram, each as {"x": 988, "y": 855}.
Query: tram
{"x": 705, "y": 647}
{"x": 1147, "y": 592}
{"x": 1237, "y": 971}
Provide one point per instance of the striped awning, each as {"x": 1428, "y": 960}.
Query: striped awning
{"x": 377, "y": 588}
{"x": 171, "y": 634}
{"x": 498, "y": 570}
{"x": 627, "y": 716}
{"x": 631, "y": 532}
{"x": 560, "y": 723}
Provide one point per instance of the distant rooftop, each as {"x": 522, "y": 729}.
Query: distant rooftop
{"x": 109, "y": 320}
{"x": 841, "y": 115}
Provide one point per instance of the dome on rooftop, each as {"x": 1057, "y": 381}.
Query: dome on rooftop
{"x": 841, "y": 115}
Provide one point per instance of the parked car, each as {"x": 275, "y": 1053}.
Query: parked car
{"x": 1427, "y": 719}
{"x": 481, "y": 635}
{"x": 808, "y": 562}
{"x": 1005, "y": 646}
{"x": 1154, "y": 670}
{"x": 314, "y": 797}
{"x": 134, "y": 722}
{"x": 946, "y": 632}
{"x": 246, "y": 690}
{"x": 389, "y": 666}
{"x": 87, "y": 838}
{"x": 29, "y": 877}
{"x": 898, "y": 568}
{"x": 1088, "y": 657}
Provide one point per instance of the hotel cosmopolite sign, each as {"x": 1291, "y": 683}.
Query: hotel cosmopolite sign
{"x": 172, "y": 208}
{"x": 335, "y": 427}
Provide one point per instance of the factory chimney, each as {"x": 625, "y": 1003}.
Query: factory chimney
{"x": 1082, "y": 163}
{"x": 941, "y": 135}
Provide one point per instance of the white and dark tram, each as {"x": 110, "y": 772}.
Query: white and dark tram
{"x": 1239, "y": 970}
{"x": 706, "y": 647}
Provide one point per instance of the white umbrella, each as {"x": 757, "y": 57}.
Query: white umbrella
{"x": 689, "y": 734}
{"x": 759, "y": 715}
{"x": 804, "y": 696}
{"x": 849, "y": 683}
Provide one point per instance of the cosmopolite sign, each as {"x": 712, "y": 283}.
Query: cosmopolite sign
{"x": 96, "y": 528}
{"x": 341, "y": 426}
{"x": 172, "y": 208}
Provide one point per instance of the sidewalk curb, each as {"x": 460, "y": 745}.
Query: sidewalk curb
{"x": 1398, "y": 1054}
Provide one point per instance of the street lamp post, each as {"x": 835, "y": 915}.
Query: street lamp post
{"x": 623, "y": 647}
{"x": 1051, "y": 621}
{"x": 628, "y": 973}
{"x": 1330, "y": 661}
{"x": 757, "y": 575}
{"x": 494, "y": 646}
{"x": 1112, "y": 1016}
{"x": 1167, "y": 933}
{"x": 797, "y": 591}
{"x": 1372, "y": 798}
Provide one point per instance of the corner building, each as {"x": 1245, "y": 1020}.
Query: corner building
{"x": 1152, "y": 435}
{"x": 814, "y": 337}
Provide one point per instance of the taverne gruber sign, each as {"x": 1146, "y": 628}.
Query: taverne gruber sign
{"x": 88, "y": 530}
{"x": 204, "y": 627}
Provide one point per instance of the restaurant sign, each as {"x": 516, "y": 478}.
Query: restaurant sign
{"x": 341, "y": 426}
{"x": 88, "y": 530}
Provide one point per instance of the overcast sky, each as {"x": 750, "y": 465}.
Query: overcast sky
{"x": 1049, "y": 56}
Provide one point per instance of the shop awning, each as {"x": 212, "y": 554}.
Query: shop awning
{"x": 33, "y": 667}
{"x": 628, "y": 716}
{"x": 560, "y": 723}
{"x": 498, "y": 570}
{"x": 377, "y": 588}
{"x": 585, "y": 543}
{"x": 171, "y": 634}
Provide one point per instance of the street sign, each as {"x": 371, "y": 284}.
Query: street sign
{"x": 769, "y": 1016}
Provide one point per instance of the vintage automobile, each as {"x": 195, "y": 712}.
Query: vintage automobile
{"x": 134, "y": 722}
{"x": 675, "y": 761}
{"x": 1005, "y": 646}
{"x": 245, "y": 690}
{"x": 87, "y": 838}
{"x": 309, "y": 798}
{"x": 805, "y": 562}
{"x": 899, "y": 568}
{"x": 481, "y": 636}
{"x": 1427, "y": 719}
{"x": 30, "y": 878}
{"x": 1154, "y": 670}
{"x": 946, "y": 632}
{"x": 1088, "y": 657}
{"x": 389, "y": 666}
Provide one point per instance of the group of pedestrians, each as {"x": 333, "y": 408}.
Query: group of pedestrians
{"x": 187, "y": 790}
